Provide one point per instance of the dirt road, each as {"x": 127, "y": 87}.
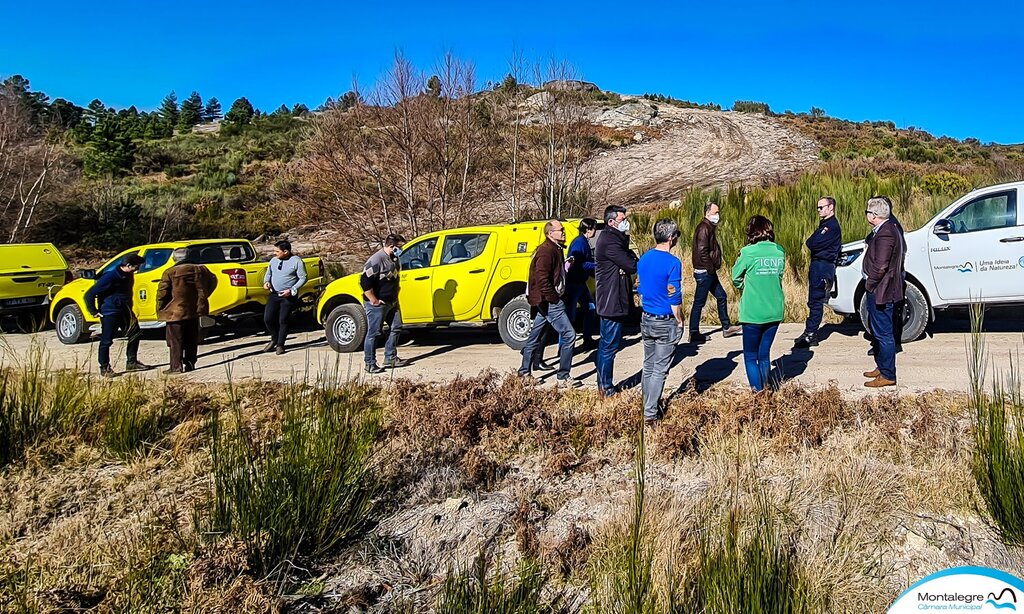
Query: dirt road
{"x": 939, "y": 361}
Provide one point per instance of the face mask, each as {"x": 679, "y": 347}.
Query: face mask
{"x": 624, "y": 226}
{"x": 397, "y": 252}
{"x": 715, "y": 218}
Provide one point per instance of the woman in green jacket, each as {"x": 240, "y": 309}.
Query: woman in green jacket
{"x": 758, "y": 273}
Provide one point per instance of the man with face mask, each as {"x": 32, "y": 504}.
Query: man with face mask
{"x": 614, "y": 263}
{"x": 707, "y": 259}
{"x": 661, "y": 289}
{"x": 379, "y": 282}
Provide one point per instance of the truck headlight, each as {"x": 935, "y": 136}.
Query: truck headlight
{"x": 848, "y": 258}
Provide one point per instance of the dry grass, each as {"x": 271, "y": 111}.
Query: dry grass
{"x": 873, "y": 493}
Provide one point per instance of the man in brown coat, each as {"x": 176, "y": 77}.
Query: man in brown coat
{"x": 544, "y": 291}
{"x": 883, "y": 280}
{"x": 182, "y": 298}
{"x": 707, "y": 259}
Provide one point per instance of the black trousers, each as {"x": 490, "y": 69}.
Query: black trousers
{"x": 183, "y": 341}
{"x": 275, "y": 317}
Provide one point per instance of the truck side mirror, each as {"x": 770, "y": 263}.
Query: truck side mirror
{"x": 942, "y": 227}
{"x": 87, "y": 273}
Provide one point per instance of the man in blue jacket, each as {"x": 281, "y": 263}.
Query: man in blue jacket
{"x": 825, "y": 244}
{"x": 110, "y": 299}
{"x": 580, "y": 270}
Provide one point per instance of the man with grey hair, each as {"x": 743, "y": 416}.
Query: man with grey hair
{"x": 707, "y": 259}
{"x": 183, "y": 297}
{"x": 661, "y": 325}
{"x": 883, "y": 279}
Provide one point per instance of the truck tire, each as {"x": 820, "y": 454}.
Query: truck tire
{"x": 514, "y": 322}
{"x": 346, "y": 327}
{"x": 916, "y": 314}
{"x": 71, "y": 326}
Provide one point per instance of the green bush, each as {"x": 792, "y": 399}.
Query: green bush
{"x": 130, "y": 422}
{"x": 479, "y": 590}
{"x": 998, "y": 465}
{"x": 749, "y": 106}
{"x": 304, "y": 491}
{"x": 946, "y": 182}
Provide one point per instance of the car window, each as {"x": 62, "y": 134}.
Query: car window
{"x": 418, "y": 255}
{"x": 221, "y": 252}
{"x": 155, "y": 258}
{"x": 113, "y": 264}
{"x": 985, "y": 213}
{"x": 462, "y": 247}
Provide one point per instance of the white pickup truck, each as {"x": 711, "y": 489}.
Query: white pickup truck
{"x": 972, "y": 251}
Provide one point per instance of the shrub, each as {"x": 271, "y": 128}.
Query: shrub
{"x": 749, "y": 106}
{"x": 129, "y": 422}
{"x": 946, "y": 182}
{"x": 305, "y": 491}
{"x": 998, "y": 440}
{"x": 483, "y": 591}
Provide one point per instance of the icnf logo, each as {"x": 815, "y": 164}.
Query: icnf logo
{"x": 962, "y": 589}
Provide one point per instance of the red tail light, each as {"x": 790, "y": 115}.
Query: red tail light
{"x": 68, "y": 277}
{"x": 237, "y": 276}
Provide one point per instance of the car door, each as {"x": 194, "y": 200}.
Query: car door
{"x": 417, "y": 261}
{"x": 461, "y": 276}
{"x": 147, "y": 280}
{"x": 975, "y": 252}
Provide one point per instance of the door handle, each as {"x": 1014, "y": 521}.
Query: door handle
{"x": 421, "y": 278}
{"x": 474, "y": 271}
{"x": 1011, "y": 240}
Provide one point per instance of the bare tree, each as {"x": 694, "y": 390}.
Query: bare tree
{"x": 31, "y": 168}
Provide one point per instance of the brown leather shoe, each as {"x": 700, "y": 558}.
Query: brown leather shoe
{"x": 880, "y": 382}
{"x": 872, "y": 374}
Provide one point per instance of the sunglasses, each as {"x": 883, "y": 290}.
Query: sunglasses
{"x": 823, "y": 207}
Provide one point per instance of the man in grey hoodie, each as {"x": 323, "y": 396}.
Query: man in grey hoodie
{"x": 285, "y": 275}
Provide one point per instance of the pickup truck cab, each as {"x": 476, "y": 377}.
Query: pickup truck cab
{"x": 464, "y": 276}
{"x": 972, "y": 251}
{"x": 238, "y": 292}
{"x": 30, "y": 275}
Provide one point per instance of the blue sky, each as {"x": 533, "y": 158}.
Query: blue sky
{"x": 952, "y": 69}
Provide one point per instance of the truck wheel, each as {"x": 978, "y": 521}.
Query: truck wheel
{"x": 71, "y": 326}
{"x": 915, "y": 314}
{"x": 514, "y": 322}
{"x": 346, "y": 327}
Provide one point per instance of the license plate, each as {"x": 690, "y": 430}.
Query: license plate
{"x": 13, "y": 302}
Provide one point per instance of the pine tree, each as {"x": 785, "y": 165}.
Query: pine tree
{"x": 169, "y": 109}
{"x": 349, "y": 100}
{"x": 300, "y": 109}
{"x": 191, "y": 112}
{"x": 212, "y": 112}
{"x": 241, "y": 112}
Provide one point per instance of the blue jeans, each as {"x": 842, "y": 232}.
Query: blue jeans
{"x": 113, "y": 324}
{"x": 707, "y": 283}
{"x": 552, "y": 314}
{"x": 578, "y": 295}
{"x": 820, "y": 278}
{"x": 607, "y": 347}
{"x": 757, "y": 350}
{"x": 882, "y": 320}
{"x": 375, "y": 319}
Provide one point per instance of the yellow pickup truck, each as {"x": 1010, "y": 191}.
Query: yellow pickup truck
{"x": 468, "y": 276}
{"x": 238, "y": 293}
{"x": 30, "y": 275}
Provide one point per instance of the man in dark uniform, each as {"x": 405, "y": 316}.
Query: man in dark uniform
{"x": 110, "y": 299}
{"x": 824, "y": 244}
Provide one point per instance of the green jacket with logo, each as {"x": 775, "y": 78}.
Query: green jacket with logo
{"x": 758, "y": 273}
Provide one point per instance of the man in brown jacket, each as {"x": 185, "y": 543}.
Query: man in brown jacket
{"x": 182, "y": 298}
{"x": 707, "y": 259}
{"x": 544, "y": 291}
{"x": 883, "y": 280}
